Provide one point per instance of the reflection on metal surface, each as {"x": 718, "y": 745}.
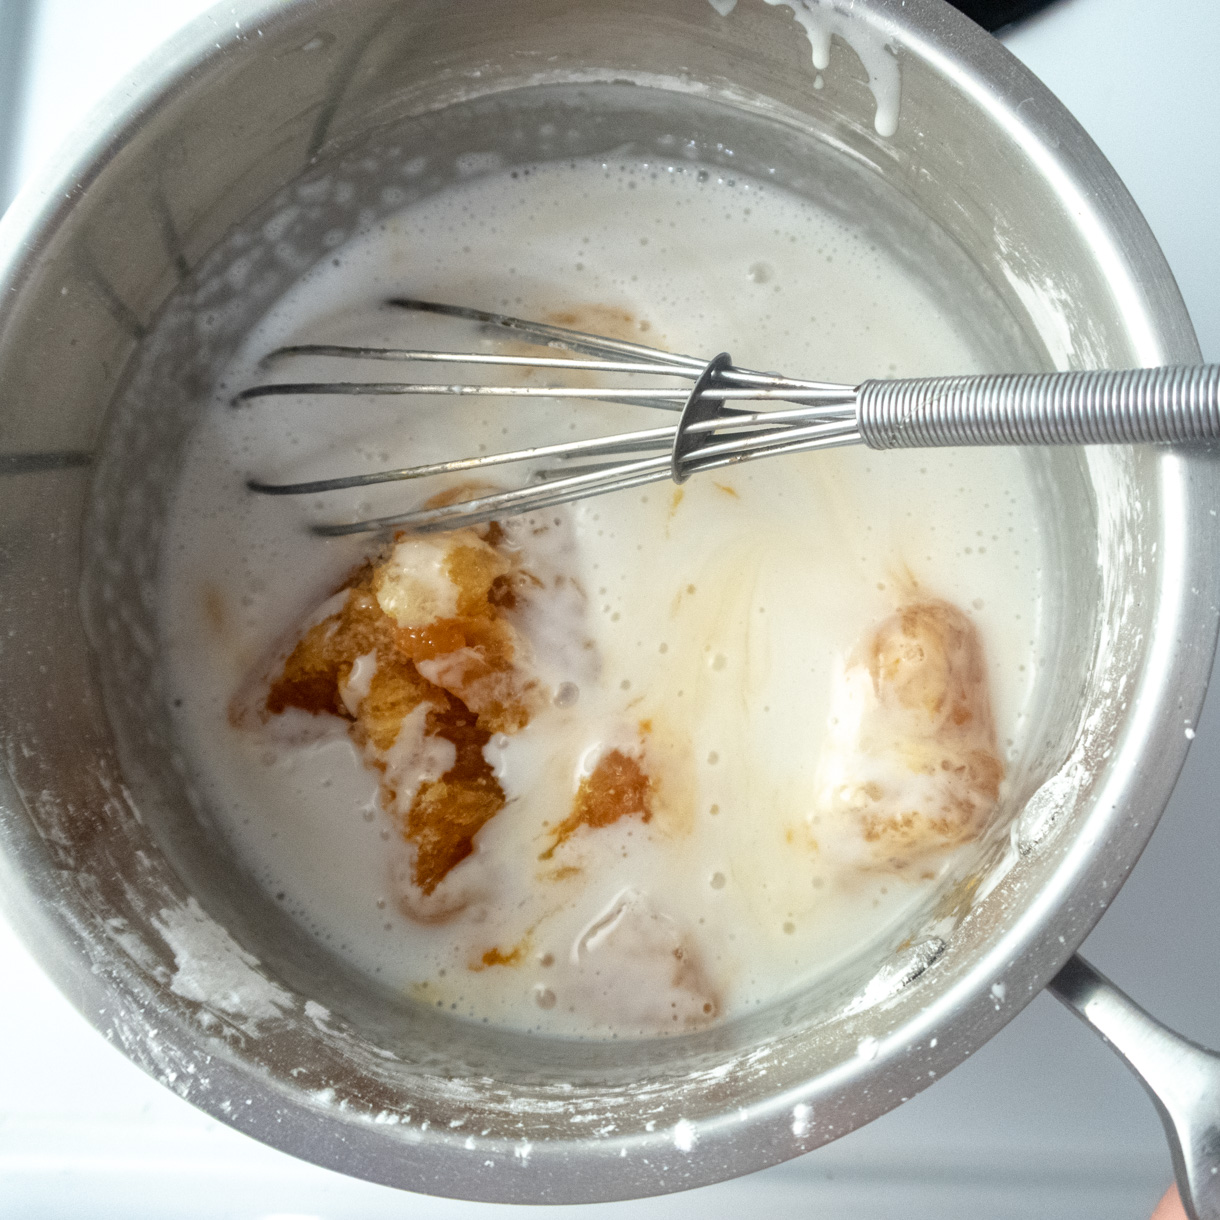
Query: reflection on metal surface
{"x": 116, "y": 307}
{"x": 16, "y": 24}
{"x": 344, "y": 71}
{"x": 169, "y": 232}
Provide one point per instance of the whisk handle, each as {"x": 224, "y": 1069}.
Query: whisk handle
{"x": 1174, "y": 404}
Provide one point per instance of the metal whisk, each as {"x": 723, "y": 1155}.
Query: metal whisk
{"x": 727, "y": 416}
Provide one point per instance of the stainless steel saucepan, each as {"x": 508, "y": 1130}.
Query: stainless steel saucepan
{"x": 249, "y": 148}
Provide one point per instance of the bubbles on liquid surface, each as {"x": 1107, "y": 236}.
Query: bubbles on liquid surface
{"x": 467, "y": 243}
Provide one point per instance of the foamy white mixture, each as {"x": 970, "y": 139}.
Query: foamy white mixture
{"x": 723, "y": 616}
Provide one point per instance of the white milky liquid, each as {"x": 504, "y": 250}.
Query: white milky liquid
{"x": 720, "y": 616}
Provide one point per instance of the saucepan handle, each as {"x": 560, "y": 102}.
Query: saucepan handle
{"x": 1183, "y": 1078}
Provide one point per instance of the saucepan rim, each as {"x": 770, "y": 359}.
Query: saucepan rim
{"x": 1025, "y": 958}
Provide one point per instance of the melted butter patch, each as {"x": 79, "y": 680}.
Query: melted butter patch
{"x": 409, "y": 684}
{"x": 679, "y": 597}
{"x": 669, "y": 758}
{"x": 956, "y": 901}
{"x": 610, "y": 320}
{"x": 618, "y": 787}
{"x": 413, "y": 586}
{"x": 447, "y": 813}
{"x": 495, "y": 956}
{"x": 563, "y": 872}
{"x": 324, "y": 656}
{"x": 675, "y": 500}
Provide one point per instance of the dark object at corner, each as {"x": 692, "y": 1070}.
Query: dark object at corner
{"x": 994, "y": 14}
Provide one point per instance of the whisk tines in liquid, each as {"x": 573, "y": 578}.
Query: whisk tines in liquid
{"x": 726, "y": 415}
{"x": 719, "y": 420}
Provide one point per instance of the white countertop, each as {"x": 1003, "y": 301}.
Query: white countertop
{"x": 1043, "y": 1122}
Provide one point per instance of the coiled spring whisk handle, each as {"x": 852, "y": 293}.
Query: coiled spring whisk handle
{"x": 1082, "y": 408}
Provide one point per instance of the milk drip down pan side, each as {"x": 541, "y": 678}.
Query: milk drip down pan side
{"x": 124, "y": 901}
